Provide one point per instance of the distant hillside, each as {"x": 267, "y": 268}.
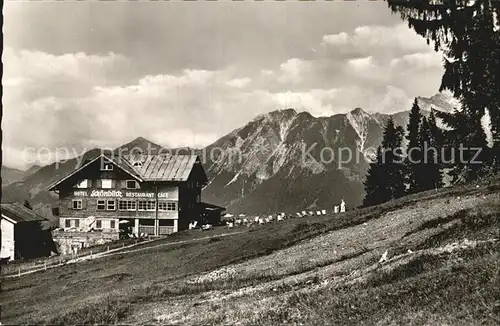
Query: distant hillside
{"x": 11, "y": 175}
{"x": 139, "y": 144}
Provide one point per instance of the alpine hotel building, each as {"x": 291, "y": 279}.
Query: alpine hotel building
{"x": 150, "y": 194}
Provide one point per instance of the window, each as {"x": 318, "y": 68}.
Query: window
{"x": 67, "y": 223}
{"x": 127, "y": 205}
{"x": 112, "y": 224}
{"x": 106, "y": 183}
{"x": 77, "y": 204}
{"x": 111, "y": 205}
{"x": 107, "y": 167}
{"x": 101, "y": 205}
{"x": 82, "y": 184}
{"x": 146, "y": 205}
{"x": 98, "y": 224}
{"x": 77, "y": 223}
{"x": 138, "y": 164}
{"x": 167, "y": 206}
{"x": 166, "y": 222}
{"x": 131, "y": 184}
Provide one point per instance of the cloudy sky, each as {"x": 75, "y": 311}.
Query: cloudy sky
{"x": 94, "y": 74}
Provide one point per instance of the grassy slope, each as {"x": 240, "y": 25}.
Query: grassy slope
{"x": 309, "y": 271}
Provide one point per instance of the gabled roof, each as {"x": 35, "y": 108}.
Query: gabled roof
{"x": 148, "y": 167}
{"x": 163, "y": 167}
{"x": 19, "y": 213}
{"x": 122, "y": 164}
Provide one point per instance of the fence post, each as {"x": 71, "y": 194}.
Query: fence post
{"x": 45, "y": 265}
{"x": 107, "y": 249}
{"x": 19, "y": 271}
{"x": 90, "y": 253}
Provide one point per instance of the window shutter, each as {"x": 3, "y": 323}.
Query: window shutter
{"x": 89, "y": 183}
{"x": 113, "y": 184}
{"x": 98, "y": 183}
{"x": 70, "y": 204}
{"x": 84, "y": 203}
{"x": 123, "y": 184}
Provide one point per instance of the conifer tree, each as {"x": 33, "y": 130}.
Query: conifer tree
{"x": 27, "y": 204}
{"x": 436, "y": 132}
{"x": 393, "y": 159}
{"x": 414, "y": 151}
{"x": 436, "y": 135}
{"x": 375, "y": 188}
{"x": 385, "y": 180}
{"x": 465, "y": 147}
{"x": 468, "y": 34}
{"x": 429, "y": 167}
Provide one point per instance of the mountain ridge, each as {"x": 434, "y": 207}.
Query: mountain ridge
{"x": 260, "y": 167}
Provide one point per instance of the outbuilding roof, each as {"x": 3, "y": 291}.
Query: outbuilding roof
{"x": 19, "y": 213}
{"x": 212, "y": 207}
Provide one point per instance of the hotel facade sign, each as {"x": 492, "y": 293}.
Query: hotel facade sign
{"x": 123, "y": 194}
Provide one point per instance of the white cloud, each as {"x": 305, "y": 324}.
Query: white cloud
{"x": 336, "y": 39}
{"x": 83, "y": 100}
{"x": 395, "y": 99}
{"x": 362, "y": 65}
{"x": 377, "y": 41}
{"x": 427, "y": 60}
{"x": 239, "y": 82}
{"x": 267, "y": 72}
{"x": 292, "y": 70}
{"x": 318, "y": 102}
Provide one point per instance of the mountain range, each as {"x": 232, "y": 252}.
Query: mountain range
{"x": 11, "y": 175}
{"x": 279, "y": 161}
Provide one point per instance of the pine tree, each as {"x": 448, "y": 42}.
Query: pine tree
{"x": 436, "y": 141}
{"x": 429, "y": 168}
{"x": 27, "y": 204}
{"x": 375, "y": 187}
{"x": 385, "y": 180}
{"x": 436, "y": 132}
{"x": 464, "y": 140}
{"x": 414, "y": 152}
{"x": 467, "y": 33}
{"x": 392, "y": 160}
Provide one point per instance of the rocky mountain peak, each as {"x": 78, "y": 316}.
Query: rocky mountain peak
{"x": 443, "y": 101}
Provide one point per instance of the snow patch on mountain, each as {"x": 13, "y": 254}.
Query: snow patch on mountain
{"x": 359, "y": 120}
{"x": 233, "y": 179}
{"x": 442, "y": 102}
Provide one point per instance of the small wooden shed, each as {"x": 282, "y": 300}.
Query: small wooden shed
{"x": 211, "y": 214}
{"x": 21, "y": 233}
